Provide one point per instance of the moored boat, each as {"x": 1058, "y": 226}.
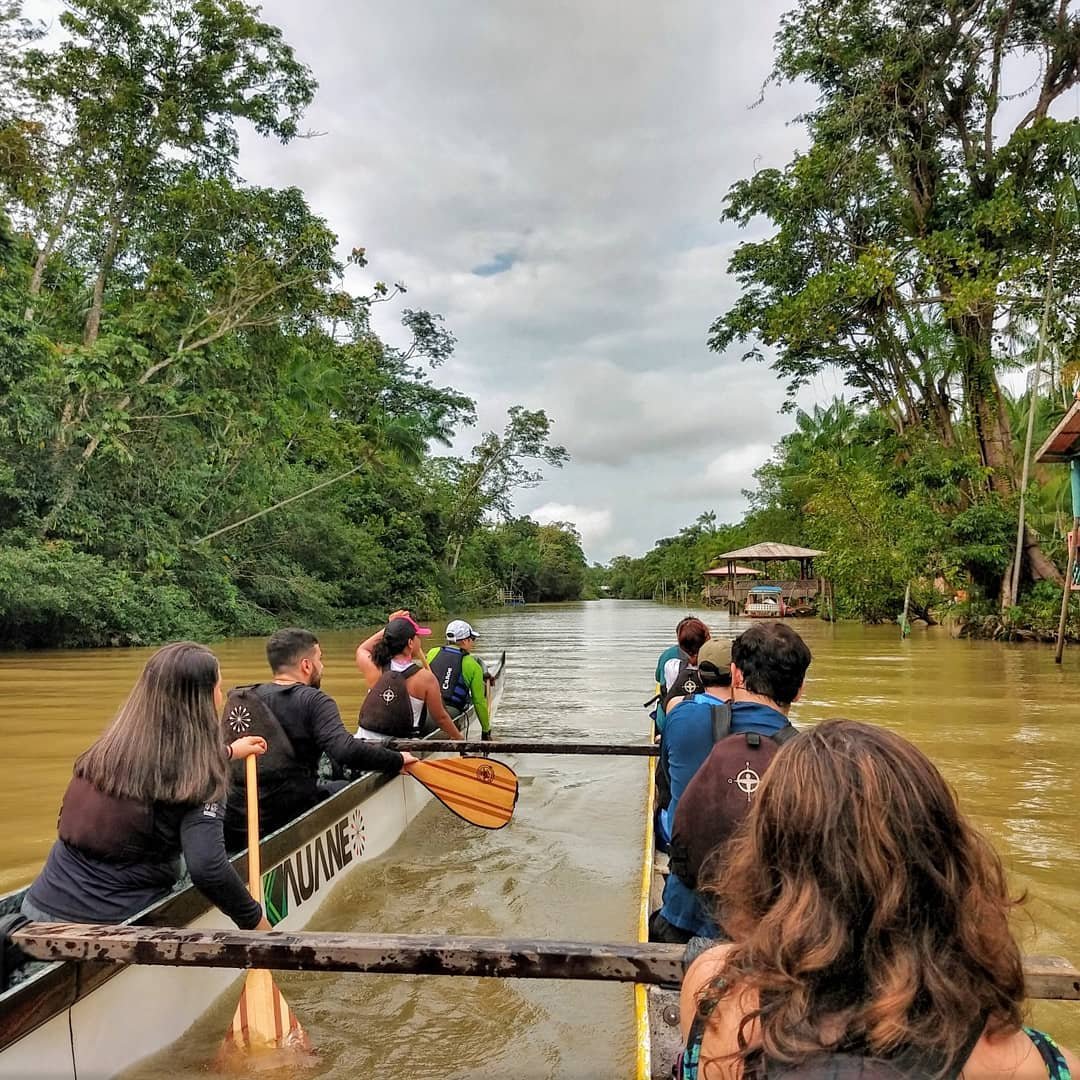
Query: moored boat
{"x": 80, "y": 1020}
{"x": 765, "y": 602}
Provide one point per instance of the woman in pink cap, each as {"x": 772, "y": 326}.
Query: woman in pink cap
{"x": 403, "y": 696}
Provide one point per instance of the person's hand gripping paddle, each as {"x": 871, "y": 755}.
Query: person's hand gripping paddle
{"x": 263, "y": 1022}
{"x": 478, "y": 789}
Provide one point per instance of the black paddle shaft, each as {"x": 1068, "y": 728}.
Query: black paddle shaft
{"x": 453, "y": 746}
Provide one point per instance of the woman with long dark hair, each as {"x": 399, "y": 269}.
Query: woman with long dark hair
{"x": 151, "y": 789}
{"x": 870, "y": 929}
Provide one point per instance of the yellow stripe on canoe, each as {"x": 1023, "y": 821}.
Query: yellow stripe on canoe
{"x": 641, "y": 994}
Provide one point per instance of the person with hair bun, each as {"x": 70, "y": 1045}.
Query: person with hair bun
{"x": 403, "y": 696}
{"x": 870, "y": 930}
{"x": 151, "y": 789}
{"x": 690, "y": 634}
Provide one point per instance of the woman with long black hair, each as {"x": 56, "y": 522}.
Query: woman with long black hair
{"x": 151, "y": 789}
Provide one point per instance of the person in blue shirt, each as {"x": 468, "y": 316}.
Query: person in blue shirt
{"x": 768, "y": 664}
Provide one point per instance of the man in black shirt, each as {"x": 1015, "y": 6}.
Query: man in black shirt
{"x": 311, "y": 721}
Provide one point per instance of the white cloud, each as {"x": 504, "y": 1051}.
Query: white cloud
{"x": 732, "y": 471}
{"x": 593, "y": 524}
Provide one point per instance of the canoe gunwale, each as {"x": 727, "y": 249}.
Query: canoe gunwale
{"x": 58, "y": 986}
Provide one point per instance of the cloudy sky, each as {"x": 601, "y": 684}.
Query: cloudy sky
{"x": 550, "y": 177}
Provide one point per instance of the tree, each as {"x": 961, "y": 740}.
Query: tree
{"x": 496, "y": 469}
{"x": 909, "y": 229}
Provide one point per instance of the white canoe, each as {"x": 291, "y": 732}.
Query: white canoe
{"x": 86, "y": 1021}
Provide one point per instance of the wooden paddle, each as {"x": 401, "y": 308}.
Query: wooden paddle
{"x": 482, "y": 791}
{"x": 515, "y": 958}
{"x": 263, "y": 1021}
{"x": 450, "y": 746}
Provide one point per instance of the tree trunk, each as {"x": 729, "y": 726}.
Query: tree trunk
{"x": 93, "y": 316}
{"x": 47, "y": 249}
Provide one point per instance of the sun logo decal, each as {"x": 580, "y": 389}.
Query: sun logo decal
{"x": 388, "y": 695}
{"x": 239, "y": 719}
{"x": 485, "y": 774}
{"x": 355, "y": 835}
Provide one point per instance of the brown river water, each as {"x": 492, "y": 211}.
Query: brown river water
{"x": 999, "y": 720}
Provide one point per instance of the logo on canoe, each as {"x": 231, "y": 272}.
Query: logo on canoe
{"x": 485, "y": 774}
{"x": 239, "y": 719}
{"x": 355, "y": 837}
{"x": 746, "y": 781}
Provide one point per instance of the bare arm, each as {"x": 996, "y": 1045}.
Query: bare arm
{"x": 433, "y": 700}
{"x": 368, "y": 668}
{"x": 722, "y": 1033}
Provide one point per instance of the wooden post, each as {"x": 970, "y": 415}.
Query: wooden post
{"x": 903, "y": 618}
{"x": 1013, "y": 591}
{"x": 1066, "y": 592}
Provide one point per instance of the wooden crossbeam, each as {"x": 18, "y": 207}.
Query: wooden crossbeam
{"x": 410, "y": 954}
{"x": 453, "y": 746}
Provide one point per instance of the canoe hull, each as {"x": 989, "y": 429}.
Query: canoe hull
{"x": 90, "y": 1020}
{"x": 656, "y": 1008}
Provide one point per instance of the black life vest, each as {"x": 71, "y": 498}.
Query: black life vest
{"x": 107, "y": 827}
{"x": 446, "y": 667}
{"x": 687, "y": 683}
{"x": 248, "y": 713}
{"x": 286, "y": 785}
{"x": 387, "y": 709}
{"x": 718, "y": 796}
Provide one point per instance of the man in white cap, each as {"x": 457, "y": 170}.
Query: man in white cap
{"x": 461, "y": 676}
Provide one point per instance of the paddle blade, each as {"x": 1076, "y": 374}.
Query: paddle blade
{"x": 479, "y": 789}
{"x": 263, "y": 1025}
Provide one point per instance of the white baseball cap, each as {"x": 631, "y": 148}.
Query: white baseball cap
{"x": 459, "y": 630}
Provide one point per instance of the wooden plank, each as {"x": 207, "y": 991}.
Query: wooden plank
{"x": 386, "y": 953}
{"x": 415, "y": 954}
{"x": 1063, "y": 443}
{"x": 453, "y": 746}
{"x": 1051, "y": 977}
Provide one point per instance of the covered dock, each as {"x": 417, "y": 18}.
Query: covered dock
{"x": 1063, "y": 447}
{"x": 729, "y": 582}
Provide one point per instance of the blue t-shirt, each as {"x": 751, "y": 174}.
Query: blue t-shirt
{"x": 687, "y": 743}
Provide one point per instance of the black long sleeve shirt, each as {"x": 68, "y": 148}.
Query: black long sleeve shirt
{"x": 312, "y": 721}
{"x": 79, "y": 887}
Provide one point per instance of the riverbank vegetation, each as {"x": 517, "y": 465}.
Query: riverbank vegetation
{"x": 926, "y": 242}
{"x": 201, "y": 433}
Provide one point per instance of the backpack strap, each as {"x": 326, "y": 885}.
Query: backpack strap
{"x": 407, "y": 673}
{"x": 721, "y": 720}
{"x": 788, "y": 731}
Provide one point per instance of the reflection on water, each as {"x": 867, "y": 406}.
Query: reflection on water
{"x": 998, "y": 720}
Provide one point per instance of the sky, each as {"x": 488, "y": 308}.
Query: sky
{"x": 550, "y": 177}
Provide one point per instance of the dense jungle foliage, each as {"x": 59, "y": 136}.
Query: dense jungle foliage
{"x": 926, "y": 241}
{"x": 884, "y": 509}
{"x": 181, "y": 351}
